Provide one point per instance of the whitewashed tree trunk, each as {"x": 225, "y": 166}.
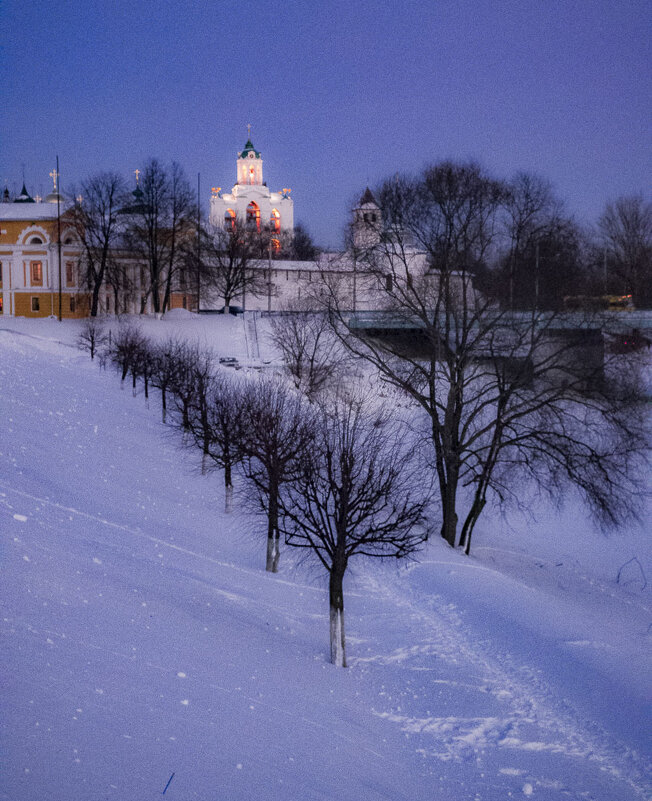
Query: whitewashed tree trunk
{"x": 338, "y": 649}
{"x": 228, "y": 499}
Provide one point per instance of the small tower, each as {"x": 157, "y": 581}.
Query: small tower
{"x": 367, "y": 222}
{"x": 249, "y": 166}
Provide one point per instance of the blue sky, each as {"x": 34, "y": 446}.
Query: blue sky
{"x": 339, "y": 94}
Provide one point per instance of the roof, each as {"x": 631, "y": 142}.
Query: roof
{"x": 24, "y": 196}
{"x": 29, "y": 211}
{"x": 368, "y": 197}
{"x": 248, "y": 148}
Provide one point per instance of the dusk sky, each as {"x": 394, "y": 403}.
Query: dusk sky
{"x": 338, "y": 94}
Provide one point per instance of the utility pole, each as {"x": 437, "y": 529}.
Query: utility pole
{"x": 269, "y": 276}
{"x": 536, "y": 278}
{"x": 56, "y": 189}
{"x": 198, "y": 240}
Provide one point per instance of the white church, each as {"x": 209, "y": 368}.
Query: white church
{"x": 250, "y": 200}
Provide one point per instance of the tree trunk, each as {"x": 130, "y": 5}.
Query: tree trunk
{"x": 95, "y": 300}
{"x": 449, "y": 523}
{"x": 273, "y": 553}
{"x": 469, "y": 523}
{"x": 336, "y": 600}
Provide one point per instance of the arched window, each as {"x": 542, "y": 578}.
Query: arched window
{"x": 276, "y": 245}
{"x": 275, "y": 220}
{"x": 229, "y": 220}
{"x": 35, "y": 240}
{"x": 253, "y": 217}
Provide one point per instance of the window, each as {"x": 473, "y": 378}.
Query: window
{"x": 0, "y": 273}
{"x": 253, "y": 216}
{"x": 36, "y": 306}
{"x": 70, "y": 274}
{"x": 36, "y": 273}
{"x": 388, "y": 283}
{"x": 229, "y": 219}
{"x": 36, "y": 240}
{"x": 72, "y": 303}
{"x": 275, "y": 220}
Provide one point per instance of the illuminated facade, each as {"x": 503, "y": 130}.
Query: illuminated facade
{"x": 29, "y": 260}
{"x": 250, "y": 201}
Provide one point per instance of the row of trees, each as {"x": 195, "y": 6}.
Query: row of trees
{"x": 334, "y": 476}
{"x": 158, "y": 229}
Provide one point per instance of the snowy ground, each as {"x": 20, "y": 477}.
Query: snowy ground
{"x": 143, "y": 640}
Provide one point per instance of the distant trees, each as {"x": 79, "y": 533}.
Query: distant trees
{"x": 97, "y": 223}
{"x": 353, "y": 493}
{"x": 541, "y": 261}
{"x": 300, "y": 246}
{"x": 625, "y": 228}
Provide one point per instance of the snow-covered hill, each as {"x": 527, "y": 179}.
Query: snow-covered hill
{"x": 146, "y": 651}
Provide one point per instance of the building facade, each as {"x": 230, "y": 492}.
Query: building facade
{"x": 250, "y": 201}
{"x": 33, "y": 280}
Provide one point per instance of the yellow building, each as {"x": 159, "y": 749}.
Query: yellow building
{"x": 30, "y": 270}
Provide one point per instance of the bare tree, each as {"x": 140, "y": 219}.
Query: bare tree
{"x": 229, "y": 256}
{"x": 159, "y": 221}
{"x": 355, "y": 494}
{"x": 92, "y": 336}
{"x": 626, "y": 230}
{"x": 312, "y": 354}
{"x": 276, "y": 430}
{"x": 494, "y": 385}
{"x": 97, "y": 224}
{"x": 541, "y": 260}
{"x": 126, "y": 345}
{"x": 166, "y": 357}
{"x": 216, "y": 420}
{"x": 190, "y": 383}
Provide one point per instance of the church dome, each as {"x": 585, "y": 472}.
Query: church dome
{"x": 249, "y": 150}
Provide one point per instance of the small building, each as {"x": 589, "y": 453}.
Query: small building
{"x": 29, "y": 259}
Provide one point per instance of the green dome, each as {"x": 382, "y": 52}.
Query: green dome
{"x": 249, "y": 148}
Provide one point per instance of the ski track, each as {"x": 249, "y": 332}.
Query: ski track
{"x": 532, "y": 706}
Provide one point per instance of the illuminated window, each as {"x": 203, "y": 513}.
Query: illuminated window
{"x": 253, "y": 216}
{"x": 275, "y": 220}
{"x": 36, "y": 306}
{"x": 36, "y": 273}
{"x": 70, "y": 274}
{"x": 229, "y": 220}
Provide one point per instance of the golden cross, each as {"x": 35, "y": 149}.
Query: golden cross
{"x": 54, "y": 175}
{"x": 137, "y": 174}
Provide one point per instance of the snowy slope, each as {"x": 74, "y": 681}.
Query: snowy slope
{"x": 142, "y": 639}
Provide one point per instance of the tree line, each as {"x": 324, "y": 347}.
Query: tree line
{"x": 334, "y": 475}
{"x": 516, "y": 237}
